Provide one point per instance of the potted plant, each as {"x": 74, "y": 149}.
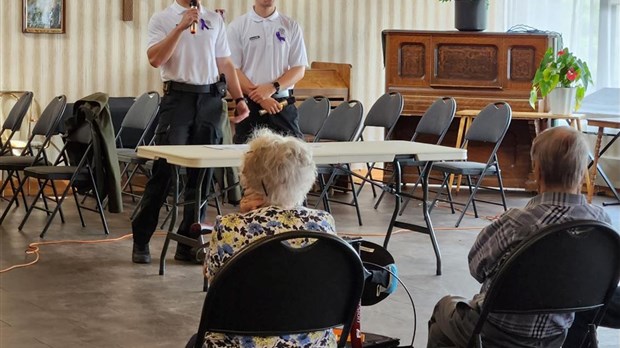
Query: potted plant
{"x": 564, "y": 78}
{"x": 470, "y": 15}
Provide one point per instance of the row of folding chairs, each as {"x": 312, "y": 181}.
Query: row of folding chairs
{"x": 75, "y": 167}
{"x": 490, "y": 127}
{"x": 344, "y": 123}
{"x": 18, "y": 167}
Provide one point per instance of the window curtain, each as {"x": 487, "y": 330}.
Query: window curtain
{"x": 588, "y": 29}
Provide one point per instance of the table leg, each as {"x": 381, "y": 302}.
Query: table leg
{"x": 171, "y": 235}
{"x": 173, "y": 220}
{"x": 397, "y": 190}
{"x": 597, "y": 148}
{"x": 428, "y": 226}
{"x": 427, "y": 215}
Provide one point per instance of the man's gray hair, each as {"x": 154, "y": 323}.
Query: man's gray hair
{"x": 281, "y": 167}
{"x": 561, "y": 154}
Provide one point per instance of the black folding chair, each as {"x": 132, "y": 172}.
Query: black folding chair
{"x": 312, "y": 114}
{"x": 32, "y": 154}
{"x": 384, "y": 113}
{"x": 563, "y": 268}
{"x": 271, "y": 288}
{"x": 79, "y": 173}
{"x": 434, "y": 123}
{"x": 138, "y": 119}
{"x": 343, "y": 124}
{"x": 13, "y": 122}
{"x": 489, "y": 126}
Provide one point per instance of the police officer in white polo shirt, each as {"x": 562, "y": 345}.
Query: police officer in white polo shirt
{"x": 188, "y": 43}
{"x": 269, "y": 53}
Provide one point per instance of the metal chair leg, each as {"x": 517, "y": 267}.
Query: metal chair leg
{"x": 8, "y": 207}
{"x": 472, "y": 195}
{"x": 473, "y": 201}
{"x": 56, "y": 209}
{"x": 407, "y": 199}
{"x": 443, "y": 183}
{"x": 501, "y": 186}
{"x": 77, "y": 204}
{"x": 357, "y": 207}
{"x": 368, "y": 176}
{"x": 322, "y": 197}
{"x": 31, "y": 207}
{"x": 392, "y": 178}
{"x": 13, "y": 188}
{"x": 42, "y": 185}
{"x": 62, "y": 216}
{"x": 99, "y": 205}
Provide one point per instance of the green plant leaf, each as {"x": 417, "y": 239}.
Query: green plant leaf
{"x": 533, "y": 97}
{"x": 580, "y": 93}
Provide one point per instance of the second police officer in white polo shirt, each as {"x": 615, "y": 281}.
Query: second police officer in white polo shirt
{"x": 269, "y": 53}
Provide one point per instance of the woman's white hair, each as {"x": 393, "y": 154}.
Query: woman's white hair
{"x": 280, "y": 167}
{"x": 561, "y": 154}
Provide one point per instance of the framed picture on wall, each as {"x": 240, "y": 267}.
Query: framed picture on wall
{"x": 43, "y": 16}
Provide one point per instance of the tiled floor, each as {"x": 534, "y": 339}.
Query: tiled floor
{"x": 91, "y": 295}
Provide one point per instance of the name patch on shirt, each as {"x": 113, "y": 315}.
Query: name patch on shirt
{"x": 255, "y": 38}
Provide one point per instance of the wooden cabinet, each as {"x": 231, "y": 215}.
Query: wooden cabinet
{"x": 474, "y": 68}
{"x": 331, "y": 80}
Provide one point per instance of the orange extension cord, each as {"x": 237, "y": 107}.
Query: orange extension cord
{"x": 34, "y": 248}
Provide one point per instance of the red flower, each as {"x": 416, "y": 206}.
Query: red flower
{"x": 571, "y": 75}
{"x": 561, "y": 53}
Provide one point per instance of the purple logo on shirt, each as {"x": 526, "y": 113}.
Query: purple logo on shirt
{"x": 281, "y": 35}
{"x": 204, "y": 24}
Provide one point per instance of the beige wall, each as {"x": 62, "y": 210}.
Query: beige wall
{"x": 99, "y": 52}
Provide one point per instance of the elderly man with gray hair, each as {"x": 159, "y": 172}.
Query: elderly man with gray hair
{"x": 560, "y": 157}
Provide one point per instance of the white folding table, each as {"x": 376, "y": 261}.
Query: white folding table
{"x": 214, "y": 156}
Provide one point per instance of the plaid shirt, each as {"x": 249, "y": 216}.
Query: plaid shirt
{"x": 496, "y": 241}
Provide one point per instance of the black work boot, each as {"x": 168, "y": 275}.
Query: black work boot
{"x": 140, "y": 254}
{"x": 187, "y": 253}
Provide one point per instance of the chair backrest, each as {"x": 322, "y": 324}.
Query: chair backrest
{"x": 385, "y": 112}
{"x": 140, "y": 115}
{"x": 312, "y": 114}
{"x": 567, "y": 267}
{"x": 18, "y": 112}
{"x": 78, "y": 143}
{"x": 436, "y": 119}
{"x": 48, "y": 122}
{"x": 343, "y": 123}
{"x": 14, "y": 120}
{"x": 46, "y": 126}
{"x": 491, "y": 124}
{"x": 272, "y": 288}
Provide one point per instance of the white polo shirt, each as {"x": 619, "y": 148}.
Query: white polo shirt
{"x": 193, "y": 60}
{"x": 264, "y": 48}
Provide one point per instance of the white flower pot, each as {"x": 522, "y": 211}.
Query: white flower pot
{"x": 562, "y": 100}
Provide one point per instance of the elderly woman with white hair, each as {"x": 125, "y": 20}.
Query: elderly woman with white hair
{"x": 276, "y": 174}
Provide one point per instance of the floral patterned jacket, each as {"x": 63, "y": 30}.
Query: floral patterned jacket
{"x": 233, "y": 232}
